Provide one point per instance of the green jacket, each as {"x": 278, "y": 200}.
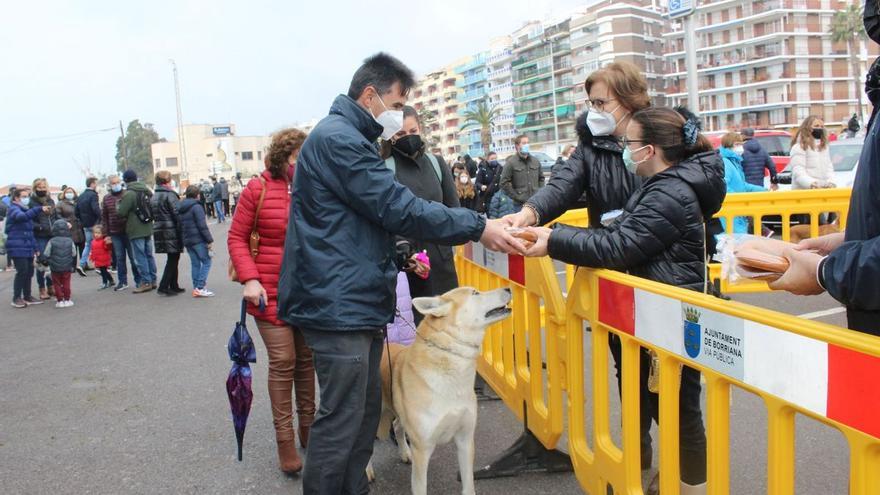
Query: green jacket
{"x": 134, "y": 228}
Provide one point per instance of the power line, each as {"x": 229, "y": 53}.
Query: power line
{"x": 55, "y": 137}
{"x": 37, "y": 143}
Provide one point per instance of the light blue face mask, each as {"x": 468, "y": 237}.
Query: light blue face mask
{"x": 524, "y": 149}
{"x": 630, "y": 164}
{"x": 25, "y": 201}
{"x": 116, "y": 188}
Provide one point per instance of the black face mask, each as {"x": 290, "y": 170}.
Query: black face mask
{"x": 41, "y": 193}
{"x": 410, "y": 145}
{"x": 493, "y": 163}
{"x": 818, "y": 133}
{"x": 872, "y": 20}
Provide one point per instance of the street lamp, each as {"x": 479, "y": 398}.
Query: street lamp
{"x": 181, "y": 140}
{"x": 553, "y": 96}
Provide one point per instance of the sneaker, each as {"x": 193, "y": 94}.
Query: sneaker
{"x": 140, "y": 289}
{"x": 202, "y": 293}
{"x": 60, "y": 304}
{"x": 112, "y": 270}
{"x": 179, "y": 290}
{"x": 32, "y": 301}
{"x": 68, "y": 303}
{"x": 81, "y": 271}
{"x": 19, "y": 303}
{"x": 120, "y": 287}
{"x": 104, "y": 286}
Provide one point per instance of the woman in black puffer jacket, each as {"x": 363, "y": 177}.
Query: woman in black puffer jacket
{"x": 659, "y": 236}
{"x": 166, "y": 231}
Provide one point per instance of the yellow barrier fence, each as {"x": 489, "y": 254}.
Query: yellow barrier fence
{"x": 515, "y": 350}
{"x": 758, "y": 207}
{"x": 796, "y": 366}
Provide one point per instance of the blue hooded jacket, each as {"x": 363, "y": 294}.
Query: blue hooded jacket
{"x": 20, "y": 242}
{"x": 339, "y": 271}
{"x": 736, "y": 183}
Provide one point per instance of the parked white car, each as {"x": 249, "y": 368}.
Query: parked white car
{"x": 845, "y": 157}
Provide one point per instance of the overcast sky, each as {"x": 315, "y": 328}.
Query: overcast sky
{"x": 68, "y": 68}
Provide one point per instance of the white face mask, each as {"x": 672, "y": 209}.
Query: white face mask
{"x": 601, "y": 123}
{"x": 738, "y": 150}
{"x": 390, "y": 120}
{"x": 68, "y": 196}
{"x": 463, "y": 179}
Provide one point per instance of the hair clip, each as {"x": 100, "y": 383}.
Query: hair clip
{"x": 691, "y": 131}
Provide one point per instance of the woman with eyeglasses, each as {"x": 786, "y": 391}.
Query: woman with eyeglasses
{"x": 659, "y": 236}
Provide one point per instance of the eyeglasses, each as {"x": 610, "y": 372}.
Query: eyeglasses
{"x": 626, "y": 141}
{"x": 598, "y": 104}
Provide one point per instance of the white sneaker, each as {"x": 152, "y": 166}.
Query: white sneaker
{"x": 59, "y": 304}
{"x": 68, "y": 303}
{"x": 205, "y": 293}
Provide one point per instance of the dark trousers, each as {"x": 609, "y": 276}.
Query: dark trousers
{"x": 341, "y": 441}
{"x": 226, "y": 206}
{"x": 692, "y": 433}
{"x": 169, "y": 275}
{"x": 61, "y": 282}
{"x": 106, "y": 278}
{"x": 24, "y": 273}
{"x": 41, "y": 276}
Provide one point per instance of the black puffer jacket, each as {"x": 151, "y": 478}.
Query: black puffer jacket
{"x": 595, "y": 170}
{"x": 43, "y": 223}
{"x": 166, "y": 221}
{"x": 660, "y": 234}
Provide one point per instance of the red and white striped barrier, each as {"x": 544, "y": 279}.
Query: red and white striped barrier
{"x": 829, "y": 380}
{"x": 509, "y": 266}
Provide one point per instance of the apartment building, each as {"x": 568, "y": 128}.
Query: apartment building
{"x": 474, "y": 89}
{"x": 766, "y": 64}
{"x": 211, "y": 150}
{"x": 542, "y": 82}
{"x": 501, "y": 94}
{"x": 608, "y": 31}
{"x": 435, "y": 97}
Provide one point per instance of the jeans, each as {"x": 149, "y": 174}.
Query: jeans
{"x": 41, "y": 276}
{"x": 169, "y": 275}
{"x": 200, "y": 262}
{"x": 84, "y": 259}
{"x": 121, "y": 246}
{"x": 24, "y": 272}
{"x": 341, "y": 440}
{"x": 143, "y": 258}
{"x": 218, "y": 207}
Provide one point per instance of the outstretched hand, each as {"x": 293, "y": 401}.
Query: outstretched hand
{"x": 822, "y": 244}
{"x": 496, "y": 238}
{"x": 540, "y": 248}
{"x": 800, "y": 278}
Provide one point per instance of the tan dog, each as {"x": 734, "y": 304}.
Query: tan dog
{"x": 432, "y": 381}
{"x": 801, "y": 232}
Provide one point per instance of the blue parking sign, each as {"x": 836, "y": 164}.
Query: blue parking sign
{"x": 681, "y": 8}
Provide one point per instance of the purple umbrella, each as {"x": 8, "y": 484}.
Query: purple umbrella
{"x": 238, "y": 384}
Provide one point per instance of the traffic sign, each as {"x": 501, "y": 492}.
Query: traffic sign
{"x": 681, "y": 8}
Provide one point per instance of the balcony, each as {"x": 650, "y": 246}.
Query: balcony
{"x": 499, "y": 74}
{"x": 474, "y": 94}
{"x": 475, "y": 62}
{"x": 475, "y": 78}
{"x": 500, "y": 56}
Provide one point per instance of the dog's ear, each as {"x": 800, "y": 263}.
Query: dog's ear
{"x": 433, "y": 306}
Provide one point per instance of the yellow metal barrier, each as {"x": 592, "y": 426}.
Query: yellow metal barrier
{"x": 756, "y": 206}
{"x": 796, "y": 366}
{"x": 785, "y": 204}
{"x": 515, "y": 350}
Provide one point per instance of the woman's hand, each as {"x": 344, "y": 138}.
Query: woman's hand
{"x": 254, "y": 291}
{"x": 540, "y": 247}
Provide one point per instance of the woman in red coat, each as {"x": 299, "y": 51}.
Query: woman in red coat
{"x": 290, "y": 360}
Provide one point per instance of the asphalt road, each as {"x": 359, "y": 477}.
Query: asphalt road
{"x": 124, "y": 393}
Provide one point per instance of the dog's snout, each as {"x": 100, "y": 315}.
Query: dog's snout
{"x": 508, "y": 290}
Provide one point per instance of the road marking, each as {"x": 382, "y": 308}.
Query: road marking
{"x": 821, "y": 314}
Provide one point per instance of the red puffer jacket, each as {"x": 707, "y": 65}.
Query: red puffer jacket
{"x": 272, "y": 227}
{"x": 100, "y": 252}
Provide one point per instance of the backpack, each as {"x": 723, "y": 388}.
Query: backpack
{"x": 392, "y": 165}
{"x": 142, "y": 209}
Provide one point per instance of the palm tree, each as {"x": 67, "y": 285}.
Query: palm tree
{"x": 847, "y": 26}
{"x": 482, "y": 116}
{"x": 428, "y": 118}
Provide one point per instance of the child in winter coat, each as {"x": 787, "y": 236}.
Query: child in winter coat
{"x": 99, "y": 255}
{"x": 60, "y": 254}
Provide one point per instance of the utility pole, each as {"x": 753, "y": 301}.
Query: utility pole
{"x": 124, "y": 151}
{"x": 553, "y": 89}
{"x": 181, "y": 140}
{"x": 693, "y": 77}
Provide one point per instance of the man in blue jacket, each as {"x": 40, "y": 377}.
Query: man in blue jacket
{"x": 847, "y": 265}
{"x": 755, "y": 159}
{"x": 88, "y": 212}
{"x": 338, "y": 276}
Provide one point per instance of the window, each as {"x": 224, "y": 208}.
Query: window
{"x": 247, "y": 155}
{"x": 803, "y": 112}
{"x": 259, "y": 155}
{"x": 158, "y": 162}
{"x": 171, "y": 161}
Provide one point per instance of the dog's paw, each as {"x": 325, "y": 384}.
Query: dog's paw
{"x": 371, "y": 475}
{"x": 405, "y": 456}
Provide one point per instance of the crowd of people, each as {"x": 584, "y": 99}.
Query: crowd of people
{"x": 49, "y": 238}
{"x": 331, "y": 240}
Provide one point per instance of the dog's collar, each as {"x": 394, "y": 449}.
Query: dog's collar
{"x": 432, "y": 343}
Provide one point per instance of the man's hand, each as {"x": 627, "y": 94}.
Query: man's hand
{"x": 253, "y": 291}
{"x": 800, "y": 278}
{"x": 496, "y": 238}
{"x": 524, "y": 218}
{"x": 822, "y": 244}
{"x": 539, "y": 249}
